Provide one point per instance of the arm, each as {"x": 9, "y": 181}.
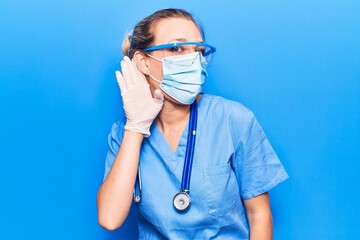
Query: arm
{"x": 116, "y": 192}
{"x": 258, "y": 170}
{"x": 259, "y": 217}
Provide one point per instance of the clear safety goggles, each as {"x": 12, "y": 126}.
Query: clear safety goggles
{"x": 180, "y": 48}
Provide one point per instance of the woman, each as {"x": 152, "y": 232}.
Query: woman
{"x": 216, "y": 188}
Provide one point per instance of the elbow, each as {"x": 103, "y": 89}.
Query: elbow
{"x": 109, "y": 224}
{"x": 110, "y": 217}
{"x": 110, "y": 221}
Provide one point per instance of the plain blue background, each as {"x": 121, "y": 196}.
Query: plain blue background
{"x": 296, "y": 64}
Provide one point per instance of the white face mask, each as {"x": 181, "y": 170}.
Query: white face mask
{"x": 183, "y": 76}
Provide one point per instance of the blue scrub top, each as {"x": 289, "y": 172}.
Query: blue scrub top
{"x": 233, "y": 161}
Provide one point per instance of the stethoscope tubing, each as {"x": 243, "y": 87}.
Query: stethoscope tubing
{"x": 189, "y": 154}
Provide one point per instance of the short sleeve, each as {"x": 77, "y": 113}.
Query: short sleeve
{"x": 256, "y": 165}
{"x": 114, "y": 140}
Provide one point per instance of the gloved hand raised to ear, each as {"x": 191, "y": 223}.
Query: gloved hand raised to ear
{"x": 140, "y": 107}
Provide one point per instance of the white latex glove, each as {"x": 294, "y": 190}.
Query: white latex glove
{"x": 140, "y": 107}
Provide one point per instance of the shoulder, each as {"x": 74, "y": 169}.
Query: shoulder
{"x": 232, "y": 117}
{"x": 229, "y": 109}
{"x": 117, "y": 131}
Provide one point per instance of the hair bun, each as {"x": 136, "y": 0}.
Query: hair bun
{"x": 126, "y": 44}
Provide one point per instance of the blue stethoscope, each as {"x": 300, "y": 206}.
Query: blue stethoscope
{"x": 181, "y": 200}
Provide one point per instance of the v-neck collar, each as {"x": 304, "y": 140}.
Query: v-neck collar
{"x": 172, "y": 158}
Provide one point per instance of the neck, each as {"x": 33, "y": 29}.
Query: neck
{"x": 172, "y": 116}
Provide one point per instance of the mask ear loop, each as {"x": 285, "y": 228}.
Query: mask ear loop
{"x": 153, "y": 78}
{"x": 151, "y": 56}
{"x": 148, "y": 70}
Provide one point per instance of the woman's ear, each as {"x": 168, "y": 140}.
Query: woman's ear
{"x": 141, "y": 62}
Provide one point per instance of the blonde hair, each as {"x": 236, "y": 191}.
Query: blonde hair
{"x": 126, "y": 44}
{"x": 143, "y": 36}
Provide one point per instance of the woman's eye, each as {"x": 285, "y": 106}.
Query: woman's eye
{"x": 176, "y": 49}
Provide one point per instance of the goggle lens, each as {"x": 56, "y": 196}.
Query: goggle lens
{"x": 180, "y": 48}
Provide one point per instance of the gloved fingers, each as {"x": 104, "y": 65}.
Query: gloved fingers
{"x": 140, "y": 76}
{"x": 120, "y": 80}
{"x": 158, "y": 95}
{"x": 126, "y": 73}
{"x": 132, "y": 70}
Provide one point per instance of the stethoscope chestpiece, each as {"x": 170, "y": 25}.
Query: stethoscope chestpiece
{"x": 182, "y": 201}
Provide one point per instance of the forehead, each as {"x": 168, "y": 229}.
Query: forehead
{"x": 172, "y": 29}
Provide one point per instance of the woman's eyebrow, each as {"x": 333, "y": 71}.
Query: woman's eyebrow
{"x": 178, "y": 40}
{"x": 184, "y": 40}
